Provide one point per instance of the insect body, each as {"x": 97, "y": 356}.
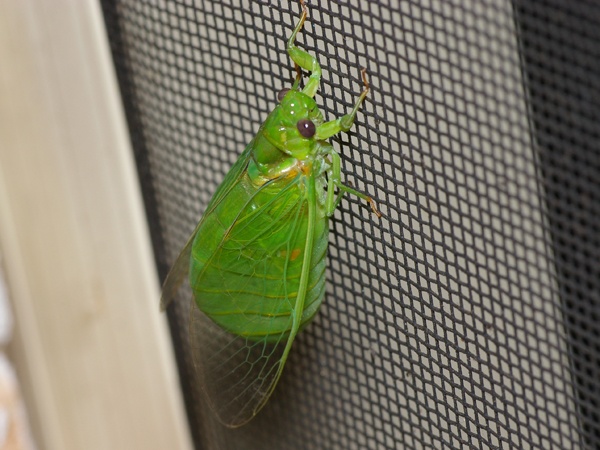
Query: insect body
{"x": 256, "y": 261}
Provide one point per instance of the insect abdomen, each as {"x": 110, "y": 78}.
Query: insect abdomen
{"x": 247, "y": 260}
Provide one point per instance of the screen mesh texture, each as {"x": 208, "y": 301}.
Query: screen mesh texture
{"x": 468, "y": 316}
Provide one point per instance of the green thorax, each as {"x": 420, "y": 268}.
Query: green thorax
{"x": 279, "y": 148}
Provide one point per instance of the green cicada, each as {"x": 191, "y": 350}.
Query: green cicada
{"x": 256, "y": 261}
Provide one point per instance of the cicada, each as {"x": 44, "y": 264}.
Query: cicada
{"x": 256, "y": 260}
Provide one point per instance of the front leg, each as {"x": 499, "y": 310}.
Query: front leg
{"x": 334, "y": 181}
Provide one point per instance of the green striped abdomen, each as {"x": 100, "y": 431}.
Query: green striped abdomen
{"x": 247, "y": 259}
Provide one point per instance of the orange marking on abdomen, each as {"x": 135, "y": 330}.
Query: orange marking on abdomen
{"x": 293, "y": 254}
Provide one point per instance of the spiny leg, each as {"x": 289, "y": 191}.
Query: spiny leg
{"x": 344, "y": 123}
{"x": 303, "y": 58}
{"x": 327, "y": 130}
{"x": 308, "y": 62}
{"x": 334, "y": 180}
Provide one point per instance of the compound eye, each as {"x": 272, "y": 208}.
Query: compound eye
{"x": 306, "y": 128}
{"x": 282, "y": 93}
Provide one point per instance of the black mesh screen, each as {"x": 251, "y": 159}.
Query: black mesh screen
{"x": 468, "y": 316}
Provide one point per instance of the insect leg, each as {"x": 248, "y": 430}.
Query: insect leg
{"x": 305, "y": 59}
{"x": 344, "y": 123}
{"x": 334, "y": 180}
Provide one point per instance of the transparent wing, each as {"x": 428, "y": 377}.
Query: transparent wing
{"x": 180, "y": 269}
{"x": 253, "y": 284}
{"x": 236, "y": 374}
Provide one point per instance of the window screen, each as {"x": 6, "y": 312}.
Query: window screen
{"x": 468, "y": 315}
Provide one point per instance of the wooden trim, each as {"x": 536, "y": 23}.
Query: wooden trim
{"x": 91, "y": 348}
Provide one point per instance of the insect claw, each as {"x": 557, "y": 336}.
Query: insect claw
{"x": 374, "y": 208}
{"x": 304, "y": 8}
{"x": 363, "y": 74}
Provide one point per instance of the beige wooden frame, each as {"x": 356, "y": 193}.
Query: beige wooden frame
{"x": 91, "y": 348}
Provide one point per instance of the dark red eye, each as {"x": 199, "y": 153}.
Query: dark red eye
{"x": 306, "y": 128}
{"x": 281, "y": 94}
